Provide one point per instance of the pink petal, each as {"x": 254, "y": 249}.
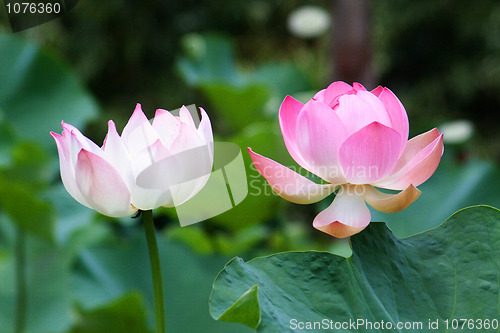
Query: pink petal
{"x": 357, "y": 111}
{"x": 166, "y": 126}
{"x": 420, "y": 167}
{"x": 358, "y": 87}
{"x": 187, "y": 138}
{"x": 370, "y": 154}
{"x": 205, "y": 127}
{"x": 102, "y": 186}
{"x": 288, "y": 114}
{"x": 205, "y": 131}
{"x": 330, "y": 95}
{"x": 63, "y": 144}
{"x": 83, "y": 141}
{"x": 414, "y": 146}
{"x": 390, "y": 203}
{"x": 397, "y": 113}
{"x": 66, "y": 167}
{"x": 138, "y": 133}
{"x": 116, "y": 153}
{"x": 75, "y": 146}
{"x": 346, "y": 216}
{"x": 288, "y": 184}
{"x": 185, "y": 116}
{"x": 377, "y": 91}
{"x": 319, "y": 135}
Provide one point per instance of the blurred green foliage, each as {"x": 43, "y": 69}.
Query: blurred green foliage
{"x": 78, "y": 266}
{"x": 442, "y": 58}
{"x": 238, "y": 61}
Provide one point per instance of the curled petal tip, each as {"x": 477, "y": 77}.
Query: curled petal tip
{"x": 418, "y": 162}
{"x": 55, "y": 135}
{"x": 391, "y": 203}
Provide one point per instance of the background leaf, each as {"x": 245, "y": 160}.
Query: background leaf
{"x": 239, "y": 105}
{"x": 38, "y": 91}
{"x": 452, "y": 187}
{"x": 209, "y": 57}
{"x": 123, "y": 315}
{"x": 48, "y": 288}
{"x": 30, "y": 212}
{"x": 105, "y": 272}
{"x": 445, "y": 273}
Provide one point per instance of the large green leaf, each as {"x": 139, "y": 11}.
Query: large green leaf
{"x": 38, "y": 91}
{"x": 450, "y": 272}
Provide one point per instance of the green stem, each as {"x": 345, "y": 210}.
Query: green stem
{"x": 154, "y": 259}
{"x": 20, "y": 281}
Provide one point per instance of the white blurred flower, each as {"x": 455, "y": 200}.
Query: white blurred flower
{"x": 457, "y": 131}
{"x": 309, "y": 21}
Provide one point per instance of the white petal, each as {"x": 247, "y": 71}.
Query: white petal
{"x": 138, "y": 133}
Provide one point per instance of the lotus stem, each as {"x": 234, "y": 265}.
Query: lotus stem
{"x": 154, "y": 259}
{"x": 21, "y": 295}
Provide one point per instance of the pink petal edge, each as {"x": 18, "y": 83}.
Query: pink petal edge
{"x": 287, "y": 183}
{"x": 330, "y": 95}
{"x": 397, "y": 114}
{"x": 416, "y": 171}
{"x": 288, "y": 114}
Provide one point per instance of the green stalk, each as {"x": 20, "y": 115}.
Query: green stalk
{"x": 154, "y": 259}
{"x": 20, "y": 263}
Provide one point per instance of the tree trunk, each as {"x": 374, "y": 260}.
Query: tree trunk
{"x": 352, "y": 49}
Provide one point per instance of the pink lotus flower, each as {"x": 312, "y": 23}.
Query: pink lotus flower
{"x": 163, "y": 163}
{"x": 356, "y": 140}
